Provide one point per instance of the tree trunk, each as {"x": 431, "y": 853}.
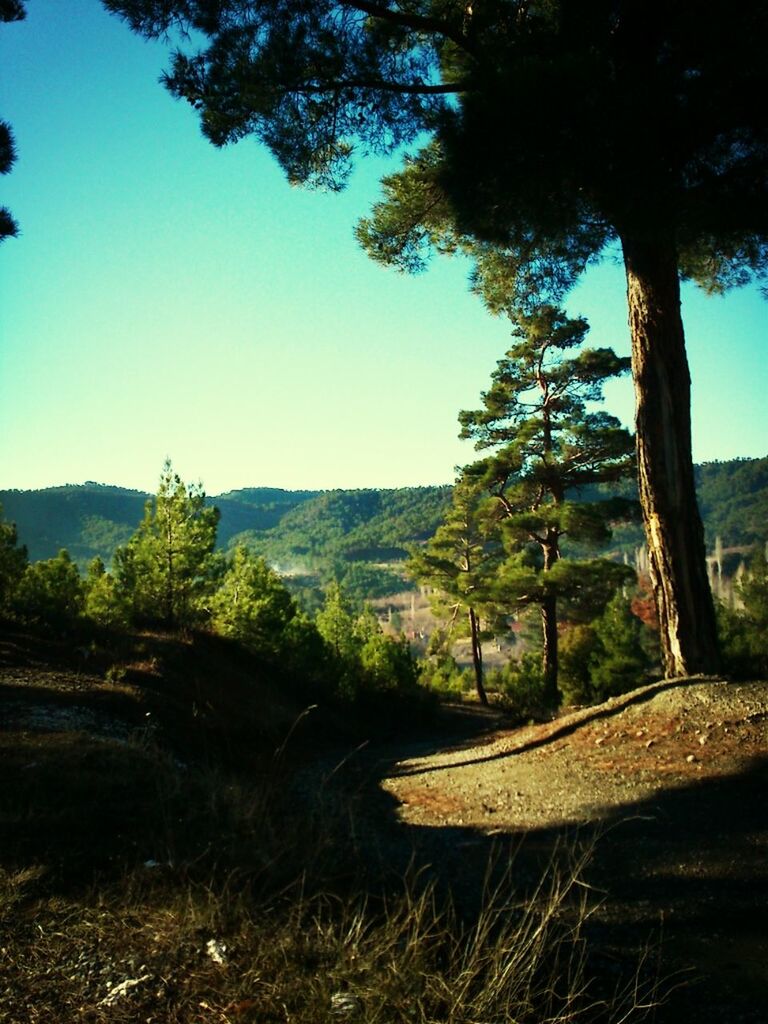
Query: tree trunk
{"x": 673, "y": 526}
{"x": 477, "y": 656}
{"x": 550, "y": 547}
{"x": 549, "y": 656}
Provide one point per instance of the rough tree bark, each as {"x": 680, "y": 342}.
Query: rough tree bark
{"x": 477, "y": 656}
{"x": 673, "y": 527}
{"x": 550, "y": 659}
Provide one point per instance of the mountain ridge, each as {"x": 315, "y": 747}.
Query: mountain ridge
{"x": 335, "y": 525}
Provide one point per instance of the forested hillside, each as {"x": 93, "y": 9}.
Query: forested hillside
{"x": 93, "y": 519}
{"x": 733, "y": 497}
{"x": 346, "y": 534}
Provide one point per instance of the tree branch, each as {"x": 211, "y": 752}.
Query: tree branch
{"x": 409, "y": 88}
{"x": 417, "y": 22}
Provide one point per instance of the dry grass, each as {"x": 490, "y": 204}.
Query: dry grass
{"x": 213, "y": 905}
{"x": 173, "y": 877}
{"x": 149, "y": 950}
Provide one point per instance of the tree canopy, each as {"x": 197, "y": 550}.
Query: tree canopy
{"x": 10, "y": 10}
{"x": 165, "y": 567}
{"x": 547, "y": 446}
{"x": 559, "y": 128}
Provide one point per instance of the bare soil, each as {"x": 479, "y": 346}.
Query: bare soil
{"x": 669, "y": 781}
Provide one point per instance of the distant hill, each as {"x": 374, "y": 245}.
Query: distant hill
{"x": 357, "y": 536}
{"x": 93, "y": 519}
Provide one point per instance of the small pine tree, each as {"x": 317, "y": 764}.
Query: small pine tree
{"x": 104, "y": 604}
{"x": 251, "y": 604}
{"x": 460, "y": 561}
{"x": 51, "y": 592}
{"x": 620, "y": 662}
{"x": 166, "y": 569}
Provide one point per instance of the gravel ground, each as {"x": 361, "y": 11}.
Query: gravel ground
{"x": 589, "y": 763}
{"x": 673, "y": 781}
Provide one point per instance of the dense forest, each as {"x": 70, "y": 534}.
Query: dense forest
{"x": 340, "y": 533}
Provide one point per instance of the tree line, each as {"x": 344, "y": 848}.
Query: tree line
{"x": 501, "y": 553}
{"x": 169, "y": 575}
{"x": 638, "y": 129}
{"x": 557, "y": 133}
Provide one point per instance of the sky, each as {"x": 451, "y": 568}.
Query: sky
{"x": 166, "y": 298}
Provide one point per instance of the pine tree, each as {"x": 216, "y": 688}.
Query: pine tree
{"x": 619, "y": 662}
{"x": 251, "y": 604}
{"x": 547, "y": 447}
{"x": 460, "y": 561}
{"x": 637, "y": 126}
{"x": 51, "y": 592}
{"x": 165, "y": 569}
{"x": 104, "y": 604}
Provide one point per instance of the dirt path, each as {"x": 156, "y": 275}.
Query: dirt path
{"x": 674, "y": 778}
{"x": 589, "y": 764}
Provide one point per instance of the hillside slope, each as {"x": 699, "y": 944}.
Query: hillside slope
{"x": 330, "y": 531}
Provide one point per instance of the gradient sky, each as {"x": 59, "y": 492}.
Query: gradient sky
{"x": 167, "y": 298}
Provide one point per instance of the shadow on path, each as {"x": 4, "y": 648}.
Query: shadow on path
{"x": 686, "y": 868}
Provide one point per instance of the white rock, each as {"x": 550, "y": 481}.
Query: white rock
{"x": 216, "y": 950}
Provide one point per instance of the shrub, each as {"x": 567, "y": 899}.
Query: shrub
{"x": 743, "y": 634}
{"x": 51, "y": 592}
{"x": 520, "y": 685}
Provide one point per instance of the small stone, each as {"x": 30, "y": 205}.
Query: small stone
{"x": 345, "y": 1004}
{"x": 649, "y": 743}
{"x": 216, "y": 950}
{"x": 702, "y": 740}
{"x": 691, "y": 758}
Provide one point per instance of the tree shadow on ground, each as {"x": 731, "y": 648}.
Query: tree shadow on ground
{"x": 685, "y": 870}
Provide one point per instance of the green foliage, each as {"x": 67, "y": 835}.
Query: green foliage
{"x": 251, "y": 604}
{"x": 364, "y": 582}
{"x": 92, "y": 520}
{"x": 522, "y": 688}
{"x": 51, "y": 592}
{"x": 364, "y": 662}
{"x": 733, "y": 497}
{"x": 166, "y": 568}
{"x": 578, "y": 646}
{"x": 89, "y": 520}
{"x": 340, "y": 534}
{"x": 441, "y": 674}
{"x": 13, "y": 561}
{"x": 620, "y": 660}
{"x": 743, "y": 633}
{"x": 104, "y": 604}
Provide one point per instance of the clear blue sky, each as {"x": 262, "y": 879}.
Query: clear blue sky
{"x": 167, "y": 298}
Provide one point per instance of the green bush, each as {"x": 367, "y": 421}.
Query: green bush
{"x": 104, "y": 605}
{"x": 578, "y": 646}
{"x": 743, "y": 634}
{"x": 521, "y": 688}
{"x": 442, "y": 675}
{"x": 51, "y": 592}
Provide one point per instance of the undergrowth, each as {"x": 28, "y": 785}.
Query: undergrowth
{"x": 203, "y": 897}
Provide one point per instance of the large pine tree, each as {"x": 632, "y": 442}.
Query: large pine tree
{"x": 547, "y": 448}
{"x": 564, "y": 127}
